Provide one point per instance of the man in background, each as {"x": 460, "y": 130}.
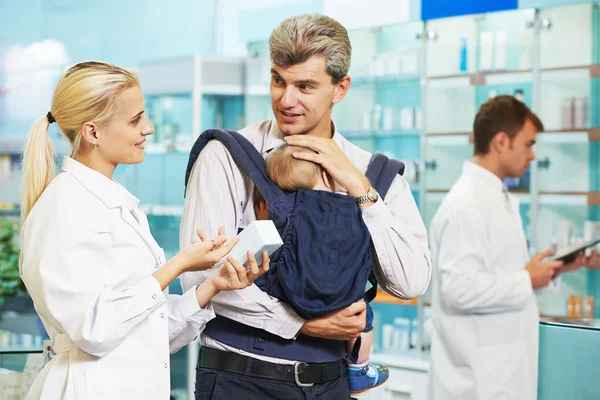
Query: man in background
{"x": 485, "y": 315}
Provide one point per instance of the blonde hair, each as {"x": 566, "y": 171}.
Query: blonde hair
{"x": 290, "y": 173}
{"x": 88, "y": 91}
{"x": 299, "y": 38}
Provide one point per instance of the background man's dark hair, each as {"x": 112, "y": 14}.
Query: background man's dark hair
{"x": 501, "y": 114}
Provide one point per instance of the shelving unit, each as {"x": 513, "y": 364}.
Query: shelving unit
{"x": 184, "y": 96}
{"x": 564, "y": 183}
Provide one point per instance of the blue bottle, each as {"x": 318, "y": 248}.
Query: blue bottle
{"x": 463, "y": 54}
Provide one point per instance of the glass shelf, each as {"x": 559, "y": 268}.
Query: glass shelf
{"x": 371, "y": 80}
{"x": 18, "y": 370}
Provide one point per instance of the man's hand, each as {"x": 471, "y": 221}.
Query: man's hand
{"x": 541, "y": 272}
{"x": 593, "y": 261}
{"x": 333, "y": 159}
{"x": 341, "y": 325}
{"x": 582, "y": 260}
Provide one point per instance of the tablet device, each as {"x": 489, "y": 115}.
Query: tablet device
{"x": 257, "y": 237}
{"x": 569, "y": 254}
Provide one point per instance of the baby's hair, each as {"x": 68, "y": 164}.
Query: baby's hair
{"x": 290, "y": 173}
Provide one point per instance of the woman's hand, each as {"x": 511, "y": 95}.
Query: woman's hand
{"x": 233, "y": 275}
{"x": 205, "y": 254}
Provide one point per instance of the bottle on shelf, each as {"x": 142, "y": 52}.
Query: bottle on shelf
{"x": 501, "y": 38}
{"x": 463, "y": 67}
{"x": 590, "y": 309}
{"x": 579, "y": 306}
{"x": 414, "y": 334}
{"x": 519, "y": 95}
{"x": 567, "y": 113}
{"x": 580, "y": 112}
{"x": 401, "y": 334}
{"x": 524, "y": 59}
{"x": 571, "y": 306}
{"x": 376, "y": 122}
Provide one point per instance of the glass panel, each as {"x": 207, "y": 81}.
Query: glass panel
{"x": 258, "y": 76}
{"x": 395, "y": 328}
{"x": 569, "y": 25}
{"x": 18, "y": 370}
{"x": 489, "y": 56}
{"x": 445, "y": 158}
{"x": 569, "y": 155}
{"x": 172, "y": 119}
{"x": 566, "y": 99}
{"x": 504, "y": 42}
{"x": 381, "y": 112}
{"x": 453, "y": 50}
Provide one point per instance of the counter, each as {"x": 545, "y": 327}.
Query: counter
{"x": 414, "y": 360}
{"x": 569, "y": 359}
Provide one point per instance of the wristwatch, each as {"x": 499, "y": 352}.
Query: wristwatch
{"x": 370, "y": 196}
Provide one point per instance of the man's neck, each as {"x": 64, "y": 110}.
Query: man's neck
{"x": 325, "y": 129}
{"x": 489, "y": 162}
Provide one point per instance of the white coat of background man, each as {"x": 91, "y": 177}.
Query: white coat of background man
{"x": 485, "y": 315}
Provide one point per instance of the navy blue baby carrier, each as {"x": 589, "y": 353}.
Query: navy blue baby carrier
{"x": 324, "y": 263}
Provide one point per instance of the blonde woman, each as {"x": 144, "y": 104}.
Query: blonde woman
{"x": 97, "y": 277}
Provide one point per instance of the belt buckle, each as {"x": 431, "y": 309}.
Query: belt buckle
{"x": 297, "y": 375}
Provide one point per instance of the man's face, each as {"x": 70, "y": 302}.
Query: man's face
{"x": 518, "y": 154}
{"x": 303, "y": 95}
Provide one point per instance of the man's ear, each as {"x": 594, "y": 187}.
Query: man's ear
{"x": 500, "y": 142}
{"x": 341, "y": 88}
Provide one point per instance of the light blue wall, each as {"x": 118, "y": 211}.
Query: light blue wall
{"x": 257, "y": 24}
{"x": 122, "y": 32}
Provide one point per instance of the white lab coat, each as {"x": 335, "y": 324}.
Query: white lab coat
{"x": 485, "y": 316}
{"x": 87, "y": 258}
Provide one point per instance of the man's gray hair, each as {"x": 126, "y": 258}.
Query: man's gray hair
{"x": 299, "y": 38}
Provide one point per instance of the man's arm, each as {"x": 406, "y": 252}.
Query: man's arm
{"x": 465, "y": 283}
{"x": 398, "y": 233}
{"x": 213, "y": 199}
{"x": 403, "y": 266}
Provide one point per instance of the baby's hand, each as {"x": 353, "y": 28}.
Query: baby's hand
{"x": 261, "y": 210}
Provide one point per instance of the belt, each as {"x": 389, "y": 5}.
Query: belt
{"x": 60, "y": 344}
{"x": 303, "y": 374}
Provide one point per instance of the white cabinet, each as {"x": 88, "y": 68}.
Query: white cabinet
{"x": 408, "y": 378}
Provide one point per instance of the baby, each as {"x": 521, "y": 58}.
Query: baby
{"x": 292, "y": 174}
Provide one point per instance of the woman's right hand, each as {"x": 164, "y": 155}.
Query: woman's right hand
{"x": 205, "y": 254}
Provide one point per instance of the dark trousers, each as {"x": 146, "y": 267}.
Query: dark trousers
{"x": 212, "y": 384}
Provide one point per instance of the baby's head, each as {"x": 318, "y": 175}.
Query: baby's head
{"x": 292, "y": 174}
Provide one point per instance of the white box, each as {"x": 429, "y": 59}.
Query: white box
{"x": 501, "y": 43}
{"x": 257, "y": 237}
{"x": 486, "y": 55}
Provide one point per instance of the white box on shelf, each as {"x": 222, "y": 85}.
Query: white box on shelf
{"x": 410, "y": 61}
{"x": 486, "y": 56}
{"x": 525, "y": 57}
{"x": 388, "y": 118}
{"x": 500, "y": 50}
{"x": 393, "y": 66}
